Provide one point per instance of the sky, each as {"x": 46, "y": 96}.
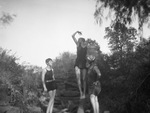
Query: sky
{"x": 43, "y": 28}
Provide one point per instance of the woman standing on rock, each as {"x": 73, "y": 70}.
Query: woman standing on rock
{"x": 49, "y": 83}
{"x": 80, "y": 63}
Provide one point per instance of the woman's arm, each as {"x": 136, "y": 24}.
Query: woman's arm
{"x": 43, "y": 77}
{"x": 53, "y": 74}
{"x": 73, "y": 36}
{"x": 97, "y": 71}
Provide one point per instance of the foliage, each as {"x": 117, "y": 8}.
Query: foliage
{"x": 122, "y": 73}
{"x": 6, "y": 18}
{"x": 93, "y": 43}
{"x": 129, "y": 62}
{"x": 19, "y": 79}
{"x": 124, "y": 11}
{"x": 129, "y": 66}
{"x": 121, "y": 38}
{"x": 141, "y": 61}
{"x": 122, "y": 43}
{"x": 32, "y": 78}
{"x": 9, "y": 66}
{"x": 64, "y": 64}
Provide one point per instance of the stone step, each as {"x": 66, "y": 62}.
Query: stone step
{"x": 70, "y": 98}
{"x": 70, "y": 94}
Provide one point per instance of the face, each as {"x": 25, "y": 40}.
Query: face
{"x": 81, "y": 41}
{"x": 50, "y": 63}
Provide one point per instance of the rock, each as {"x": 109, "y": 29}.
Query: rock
{"x": 70, "y": 98}
{"x": 71, "y": 86}
{"x": 70, "y": 94}
{"x": 9, "y": 109}
{"x": 106, "y": 112}
{"x": 34, "y": 109}
{"x": 3, "y": 103}
{"x": 80, "y": 109}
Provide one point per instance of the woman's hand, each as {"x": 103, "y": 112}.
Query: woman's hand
{"x": 74, "y": 38}
{"x": 96, "y": 83}
{"x": 79, "y": 32}
{"x": 45, "y": 89}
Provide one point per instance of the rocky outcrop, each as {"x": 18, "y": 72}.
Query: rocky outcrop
{"x": 9, "y": 109}
{"x": 68, "y": 97}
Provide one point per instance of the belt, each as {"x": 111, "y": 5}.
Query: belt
{"x": 49, "y": 80}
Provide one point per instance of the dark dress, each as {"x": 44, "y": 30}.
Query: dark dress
{"x": 93, "y": 77}
{"x": 49, "y": 81}
{"x": 81, "y": 57}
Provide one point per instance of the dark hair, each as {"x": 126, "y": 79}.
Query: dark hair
{"x": 82, "y": 39}
{"x": 47, "y": 60}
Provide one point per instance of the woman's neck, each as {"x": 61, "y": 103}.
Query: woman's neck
{"x": 82, "y": 45}
{"x": 49, "y": 67}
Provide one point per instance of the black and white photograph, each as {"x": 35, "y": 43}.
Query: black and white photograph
{"x": 74, "y": 56}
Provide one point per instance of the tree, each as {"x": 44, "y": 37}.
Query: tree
{"x": 122, "y": 43}
{"x": 32, "y": 77}
{"x": 139, "y": 79}
{"x": 6, "y": 18}
{"x": 142, "y": 56}
{"x": 124, "y": 10}
{"x": 9, "y": 66}
{"x": 64, "y": 64}
{"x": 121, "y": 38}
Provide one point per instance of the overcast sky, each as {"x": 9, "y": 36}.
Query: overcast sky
{"x": 43, "y": 28}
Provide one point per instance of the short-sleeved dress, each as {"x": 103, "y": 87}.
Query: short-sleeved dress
{"x": 49, "y": 81}
{"x": 81, "y": 57}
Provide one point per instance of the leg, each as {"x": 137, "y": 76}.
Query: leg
{"x": 53, "y": 97}
{"x": 97, "y": 104}
{"x": 84, "y": 81}
{"x": 77, "y": 71}
{"x": 49, "y": 104}
{"x": 92, "y": 98}
{"x": 49, "y": 107}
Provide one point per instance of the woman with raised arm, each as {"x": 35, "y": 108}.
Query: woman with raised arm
{"x": 49, "y": 83}
{"x": 80, "y": 63}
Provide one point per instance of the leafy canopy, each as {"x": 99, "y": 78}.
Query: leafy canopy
{"x": 124, "y": 10}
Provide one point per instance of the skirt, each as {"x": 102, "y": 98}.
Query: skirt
{"x": 80, "y": 64}
{"x": 51, "y": 85}
{"x": 95, "y": 89}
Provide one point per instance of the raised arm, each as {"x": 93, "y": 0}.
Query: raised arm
{"x": 74, "y": 38}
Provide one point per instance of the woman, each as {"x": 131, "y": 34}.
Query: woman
{"x": 49, "y": 83}
{"x": 93, "y": 81}
{"x": 80, "y": 63}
